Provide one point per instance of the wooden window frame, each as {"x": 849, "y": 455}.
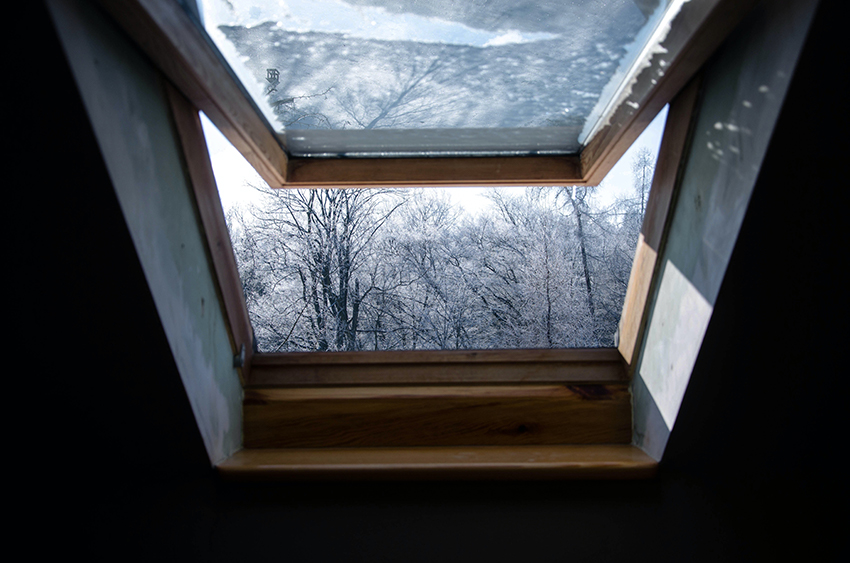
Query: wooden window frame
{"x": 314, "y": 395}
{"x": 437, "y": 366}
{"x": 533, "y": 380}
{"x": 474, "y": 366}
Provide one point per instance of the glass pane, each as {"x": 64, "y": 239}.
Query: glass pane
{"x": 439, "y": 77}
{"x": 459, "y": 268}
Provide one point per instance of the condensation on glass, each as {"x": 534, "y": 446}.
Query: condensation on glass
{"x": 433, "y": 77}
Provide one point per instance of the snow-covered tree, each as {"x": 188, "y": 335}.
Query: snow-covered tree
{"x": 373, "y": 269}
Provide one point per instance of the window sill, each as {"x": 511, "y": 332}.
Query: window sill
{"x": 521, "y": 414}
{"x": 613, "y": 461}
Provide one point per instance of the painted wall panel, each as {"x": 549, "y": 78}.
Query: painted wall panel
{"x": 744, "y": 86}
{"x": 131, "y": 118}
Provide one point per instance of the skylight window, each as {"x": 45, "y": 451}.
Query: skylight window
{"x": 375, "y": 78}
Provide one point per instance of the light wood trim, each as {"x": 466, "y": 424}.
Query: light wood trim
{"x": 665, "y": 183}
{"x": 188, "y": 124}
{"x": 494, "y": 462}
{"x": 699, "y": 29}
{"x": 589, "y": 392}
{"x": 437, "y": 416}
{"x": 437, "y": 366}
{"x": 442, "y": 356}
{"x": 637, "y": 293}
{"x": 460, "y": 171}
{"x": 163, "y": 30}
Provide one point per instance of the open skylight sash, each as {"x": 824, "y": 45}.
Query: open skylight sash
{"x": 372, "y": 78}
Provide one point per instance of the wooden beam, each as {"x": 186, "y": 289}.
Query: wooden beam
{"x": 166, "y": 33}
{"x": 460, "y": 171}
{"x": 600, "y": 365}
{"x": 188, "y": 124}
{"x": 697, "y": 31}
{"x": 437, "y": 416}
{"x": 665, "y": 182}
{"x": 481, "y": 462}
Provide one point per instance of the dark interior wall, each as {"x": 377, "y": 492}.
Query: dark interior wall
{"x": 762, "y": 424}
{"x": 751, "y": 471}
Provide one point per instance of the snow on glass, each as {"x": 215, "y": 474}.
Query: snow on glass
{"x": 513, "y": 77}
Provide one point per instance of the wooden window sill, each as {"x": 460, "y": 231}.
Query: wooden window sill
{"x": 609, "y": 461}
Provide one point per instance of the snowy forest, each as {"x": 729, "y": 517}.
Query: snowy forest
{"x": 405, "y": 269}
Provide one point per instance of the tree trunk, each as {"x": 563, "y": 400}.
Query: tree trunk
{"x": 583, "y": 248}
